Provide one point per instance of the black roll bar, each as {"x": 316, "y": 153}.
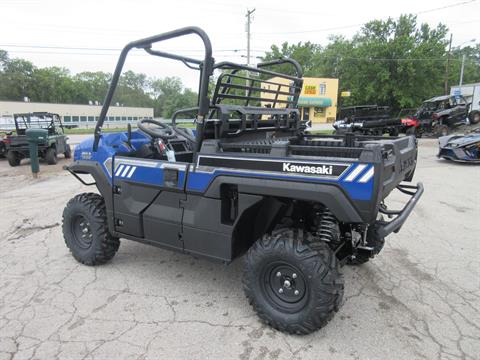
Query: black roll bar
{"x": 205, "y": 67}
{"x": 226, "y": 65}
{"x": 283, "y": 60}
{"x": 182, "y": 111}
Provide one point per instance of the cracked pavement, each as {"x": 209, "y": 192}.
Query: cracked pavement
{"x": 419, "y": 299}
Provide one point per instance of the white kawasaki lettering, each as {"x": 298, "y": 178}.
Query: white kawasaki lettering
{"x": 308, "y": 169}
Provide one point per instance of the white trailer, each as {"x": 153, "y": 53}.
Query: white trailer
{"x": 471, "y": 92}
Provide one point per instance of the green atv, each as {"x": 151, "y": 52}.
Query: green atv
{"x": 55, "y": 143}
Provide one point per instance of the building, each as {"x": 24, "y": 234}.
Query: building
{"x": 317, "y": 101}
{"x": 74, "y": 114}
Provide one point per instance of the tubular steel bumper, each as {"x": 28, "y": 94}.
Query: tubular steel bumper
{"x": 401, "y": 216}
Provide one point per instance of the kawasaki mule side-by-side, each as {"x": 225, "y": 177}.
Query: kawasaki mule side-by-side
{"x": 248, "y": 181}
{"x": 55, "y": 142}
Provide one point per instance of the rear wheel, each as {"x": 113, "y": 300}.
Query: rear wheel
{"x": 294, "y": 286}
{"x": 85, "y": 230}
{"x": 51, "y": 156}
{"x": 68, "y": 152}
{"x": 13, "y": 158}
{"x": 474, "y": 117}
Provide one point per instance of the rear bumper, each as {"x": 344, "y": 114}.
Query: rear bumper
{"x": 401, "y": 216}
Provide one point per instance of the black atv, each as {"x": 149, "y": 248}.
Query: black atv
{"x": 249, "y": 181}
{"x": 55, "y": 143}
{"x": 366, "y": 120}
{"x": 437, "y": 116}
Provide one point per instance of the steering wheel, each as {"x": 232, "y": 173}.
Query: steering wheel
{"x": 162, "y": 131}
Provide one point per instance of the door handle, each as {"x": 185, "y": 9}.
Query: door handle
{"x": 170, "y": 177}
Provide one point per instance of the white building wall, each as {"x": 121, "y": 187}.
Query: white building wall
{"x": 81, "y": 115}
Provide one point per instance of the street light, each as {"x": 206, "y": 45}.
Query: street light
{"x": 463, "y": 61}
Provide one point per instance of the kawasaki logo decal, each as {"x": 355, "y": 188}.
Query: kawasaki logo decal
{"x": 332, "y": 170}
{"x": 306, "y": 169}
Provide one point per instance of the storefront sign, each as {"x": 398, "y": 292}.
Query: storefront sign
{"x": 310, "y": 90}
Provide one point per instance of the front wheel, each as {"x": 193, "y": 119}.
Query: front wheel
{"x": 85, "y": 230}
{"x": 68, "y": 152}
{"x": 294, "y": 286}
{"x": 51, "y": 156}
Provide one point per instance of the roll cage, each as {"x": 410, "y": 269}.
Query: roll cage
{"x": 253, "y": 96}
{"x": 43, "y": 120}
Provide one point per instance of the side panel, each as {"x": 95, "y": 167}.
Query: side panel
{"x": 130, "y": 201}
{"x": 147, "y": 197}
{"x": 208, "y": 224}
{"x": 162, "y": 219}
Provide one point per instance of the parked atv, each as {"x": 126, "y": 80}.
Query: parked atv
{"x": 437, "y": 116}
{"x": 248, "y": 182}
{"x": 55, "y": 143}
{"x": 366, "y": 120}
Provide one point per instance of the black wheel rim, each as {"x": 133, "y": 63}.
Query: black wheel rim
{"x": 82, "y": 232}
{"x": 285, "y": 286}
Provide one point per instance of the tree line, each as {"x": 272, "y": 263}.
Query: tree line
{"x": 394, "y": 62}
{"x": 19, "y": 78}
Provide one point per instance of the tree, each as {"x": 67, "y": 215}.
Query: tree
{"x": 304, "y": 53}
{"x": 471, "y": 71}
{"x": 388, "y": 62}
{"x": 169, "y": 96}
{"x": 91, "y": 86}
{"x": 52, "y": 84}
{"x": 17, "y": 80}
{"x": 3, "y": 59}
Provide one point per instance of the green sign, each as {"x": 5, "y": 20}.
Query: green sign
{"x": 314, "y": 101}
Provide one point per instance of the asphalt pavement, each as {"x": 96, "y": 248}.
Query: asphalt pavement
{"x": 419, "y": 299}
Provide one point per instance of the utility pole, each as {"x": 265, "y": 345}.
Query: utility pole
{"x": 447, "y": 68}
{"x": 461, "y": 70}
{"x": 249, "y": 21}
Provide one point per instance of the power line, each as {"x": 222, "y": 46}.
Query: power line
{"x": 445, "y": 7}
{"x": 361, "y": 24}
{"x": 103, "y": 49}
{"x": 93, "y": 54}
{"x": 225, "y": 56}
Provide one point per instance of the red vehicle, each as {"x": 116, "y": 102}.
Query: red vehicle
{"x": 436, "y": 116}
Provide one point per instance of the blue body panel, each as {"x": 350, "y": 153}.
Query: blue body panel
{"x": 357, "y": 180}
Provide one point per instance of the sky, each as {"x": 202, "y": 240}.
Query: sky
{"x": 87, "y": 35}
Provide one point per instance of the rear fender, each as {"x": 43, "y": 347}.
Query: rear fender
{"x": 329, "y": 195}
